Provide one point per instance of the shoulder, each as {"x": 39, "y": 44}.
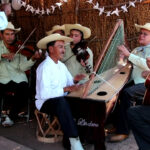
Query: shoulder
{"x": 89, "y": 51}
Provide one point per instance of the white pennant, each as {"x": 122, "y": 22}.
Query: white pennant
{"x": 108, "y": 13}
{"x": 32, "y": 9}
{"x": 132, "y": 4}
{"x": 23, "y": 4}
{"x": 96, "y": 6}
{"x": 37, "y": 11}
{"x": 48, "y": 11}
{"x": 90, "y": 1}
{"x": 59, "y": 5}
{"x": 101, "y": 10}
{"x": 53, "y": 8}
{"x": 116, "y": 11}
{"x": 42, "y": 11}
{"x": 124, "y": 8}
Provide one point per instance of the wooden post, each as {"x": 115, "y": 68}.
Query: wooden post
{"x": 77, "y": 10}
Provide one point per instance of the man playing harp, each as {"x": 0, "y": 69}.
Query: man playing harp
{"x": 134, "y": 90}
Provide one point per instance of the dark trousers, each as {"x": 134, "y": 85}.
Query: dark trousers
{"x": 59, "y": 107}
{"x": 15, "y": 103}
{"x": 131, "y": 93}
{"x": 139, "y": 120}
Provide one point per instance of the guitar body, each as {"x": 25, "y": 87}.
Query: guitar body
{"x": 146, "y": 100}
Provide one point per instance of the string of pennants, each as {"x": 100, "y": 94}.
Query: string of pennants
{"x": 101, "y": 9}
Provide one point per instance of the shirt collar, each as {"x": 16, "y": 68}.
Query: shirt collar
{"x": 141, "y": 48}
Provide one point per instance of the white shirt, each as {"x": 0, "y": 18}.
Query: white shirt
{"x": 3, "y": 21}
{"x": 51, "y": 78}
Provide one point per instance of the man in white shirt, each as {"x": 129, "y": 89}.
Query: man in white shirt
{"x": 53, "y": 81}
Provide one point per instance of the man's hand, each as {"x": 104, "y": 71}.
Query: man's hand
{"x": 79, "y": 77}
{"x": 148, "y": 61}
{"x": 123, "y": 51}
{"x": 145, "y": 73}
{"x": 72, "y": 88}
{"x": 8, "y": 56}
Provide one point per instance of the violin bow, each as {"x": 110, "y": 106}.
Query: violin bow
{"x": 21, "y": 47}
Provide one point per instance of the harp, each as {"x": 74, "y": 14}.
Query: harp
{"x": 110, "y": 74}
{"x": 91, "y": 104}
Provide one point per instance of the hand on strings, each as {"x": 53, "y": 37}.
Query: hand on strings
{"x": 83, "y": 63}
{"x": 148, "y": 61}
{"x": 145, "y": 73}
{"x": 79, "y": 77}
{"x": 8, "y": 56}
{"x": 72, "y": 88}
{"x": 123, "y": 50}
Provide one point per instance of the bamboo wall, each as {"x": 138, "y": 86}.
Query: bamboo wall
{"x": 101, "y": 26}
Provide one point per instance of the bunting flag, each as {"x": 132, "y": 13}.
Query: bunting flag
{"x": 123, "y": 7}
{"x": 42, "y": 11}
{"x": 119, "y": 8}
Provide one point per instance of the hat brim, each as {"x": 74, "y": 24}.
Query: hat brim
{"x": 16, "y": 30}
{"x": 139, "y": 27}
{"x": 42, "y": 44}
{"x": 86, "y": 31}
{"x": 55, "y": 29}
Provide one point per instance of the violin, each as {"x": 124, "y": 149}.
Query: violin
{"x": 27, "y": 51}
{"x": 82, "y": 54}
{"x": 146, "y": 100}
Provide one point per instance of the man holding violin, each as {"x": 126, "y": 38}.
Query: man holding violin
{"x": 12, "y": 73}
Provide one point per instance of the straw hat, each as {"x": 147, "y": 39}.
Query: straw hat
{"x": 11, "y": 27}
{"x": 3, "y": 21}
{"x": 139, "y": 27}
{"x": 55, "y": 28}
{"x": 86, "y": 31}
{"x": 42, "y": 44}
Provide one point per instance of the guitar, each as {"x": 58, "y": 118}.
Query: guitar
{"x": 146, "y": 100}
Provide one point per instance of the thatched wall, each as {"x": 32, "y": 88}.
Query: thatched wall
{"x": 101, "y": 26}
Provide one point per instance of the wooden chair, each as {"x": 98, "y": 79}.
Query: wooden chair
{"x": 49, "y": 129}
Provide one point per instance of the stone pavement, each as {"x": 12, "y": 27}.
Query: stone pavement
{"x": 22, "y": 137}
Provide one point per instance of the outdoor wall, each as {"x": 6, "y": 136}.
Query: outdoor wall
{"x": 101, "y": 26}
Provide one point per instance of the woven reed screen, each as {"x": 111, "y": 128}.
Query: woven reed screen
{"x": 101, "y": 26}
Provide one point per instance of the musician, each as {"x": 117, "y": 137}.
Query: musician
{"x": 78, "y": 57}
{"x": 12, "y": 73}
{"x": 57, "y": 29}
{"x": 135, "y": 89}
{"x": 139, "y": 120}
{"x": 53, "y": 81}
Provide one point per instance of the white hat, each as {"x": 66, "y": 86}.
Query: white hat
{"x": 86, "y": 31}
{"x": 139, "y": 27}
{"x": 42, "y": 44}
{"x": 3, "y": 21}
{"x": 55, "y": 28}
{"x": 11, "y": 27}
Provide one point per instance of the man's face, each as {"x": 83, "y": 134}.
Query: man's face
{"x": 57, "y": 51}
{"x": 76, "y": 36}
{"x": 8, "y": 36}
{"x": 144, "y": 37}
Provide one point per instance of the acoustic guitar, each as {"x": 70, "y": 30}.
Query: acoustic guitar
{"x": 146, "y": 100}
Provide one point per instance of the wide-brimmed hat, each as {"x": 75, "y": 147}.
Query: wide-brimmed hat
{"x": 86, "y": 31}
{"x": 42, "y": 44}
{"x": 11, "y": 27}
{"x": 3, "y": 21}
{"x": 55, "y": 28}
{"x": 139, "y": 27}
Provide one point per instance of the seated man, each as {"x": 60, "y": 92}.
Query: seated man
{"x": 12, "y": 73}
{"x": 78, "y": 57}
{"x": 135, "y": 89}
{"x": 53, "y": 81}
{"x": 139, "y": 120}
